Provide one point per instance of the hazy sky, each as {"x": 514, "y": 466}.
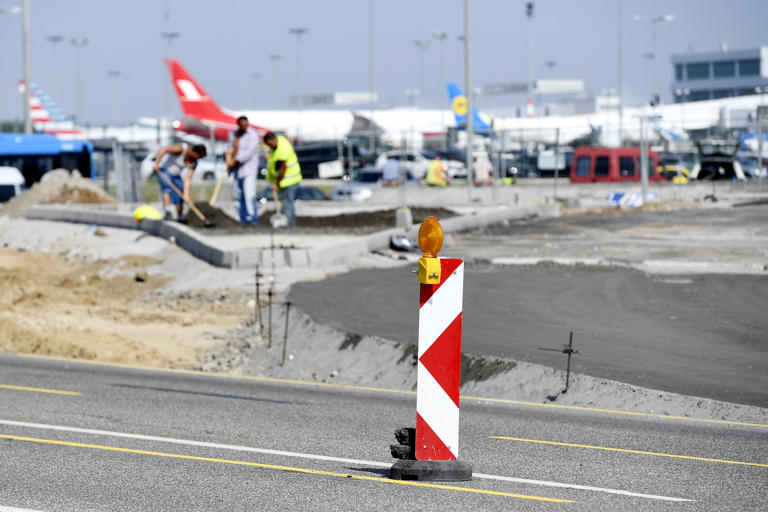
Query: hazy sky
{"x": 224, "y": 43}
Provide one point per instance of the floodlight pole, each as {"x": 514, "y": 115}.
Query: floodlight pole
{"x": 760, "y": 112}
{"x": 371, "y": 126}
{"x": 621, "y": 82}
{"x": 468, "y": 87}
{"x": 441, "y": 35}
{"x": 27, "y": 73}
{"x": 644, "y": 153}
{"x": 298, "y": 32}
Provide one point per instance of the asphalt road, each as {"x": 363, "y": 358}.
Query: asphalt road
{"x": 697, "y": 334}
{"x": 133, "y": 439}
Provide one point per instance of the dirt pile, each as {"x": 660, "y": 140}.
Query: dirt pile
{"x": 108, "y": 311}
{"x": 217, "y": 217}
{"x": 56, "y": 187}
{"x": 358, "y": 222}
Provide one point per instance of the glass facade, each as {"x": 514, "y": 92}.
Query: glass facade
{"x": 724, "y": 69}
{"x": 697, "y": 70}
{"x": 679, "y": 72}
{"x": 749, "y": 67}
{"x": 722, "y": 93}
{"x": 699, "y": 95}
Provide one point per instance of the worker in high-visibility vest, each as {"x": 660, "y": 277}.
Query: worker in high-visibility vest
{"x": 284, "y": 172}
{"x": 436, "y": 173}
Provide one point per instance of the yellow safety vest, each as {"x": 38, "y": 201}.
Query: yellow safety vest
{"x": 435, "y": 174}
{"x": 284, "y": 152}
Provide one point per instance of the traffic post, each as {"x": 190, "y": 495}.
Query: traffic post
{"x": 434, "y": 452}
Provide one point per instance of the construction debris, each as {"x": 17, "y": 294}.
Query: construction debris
{"x": 56, "y": 187}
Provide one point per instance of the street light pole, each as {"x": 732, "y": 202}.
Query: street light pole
{"x": 468, "y": 87}
{"x": 168, "y": 37}
{"x": 760, "y": 119}
{"x": 621, "y": 80}
{"x": 25, "y": 36}
{"x": 421, "y": 44}
{"x": 275, "y": 58}
{"x": 114, "y": 73}
{"x": 54, "y": 40}
{"x": 256, "y": 77}
{"x": 529, "y": 108}
{"x": 298, "y": 32}
{"x": 371, "y": 55}
{"x": 644, "y": 153}
{"x": 10, "y": 10}
{"x": 655, "y": 20}
{"x": 441, "y": 36}
{"x": 79, "y": 43}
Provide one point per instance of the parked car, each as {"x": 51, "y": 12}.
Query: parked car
{"x": 717, "y": 161}
{"x": 674, "y": 168}
{"x": 361, "y": 186}
{"x": 313, "y": 154}
{"x": 11, "y": 183}
{"x": 303, "y": 193}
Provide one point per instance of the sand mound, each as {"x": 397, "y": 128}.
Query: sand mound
{"x": 56, "y": 187}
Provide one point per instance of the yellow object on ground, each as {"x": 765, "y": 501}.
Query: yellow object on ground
{"x": 146, "y": 212}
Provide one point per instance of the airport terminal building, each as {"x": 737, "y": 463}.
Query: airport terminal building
{"x": 722, "y": 74}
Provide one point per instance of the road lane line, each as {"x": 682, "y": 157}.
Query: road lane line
{"x": 625, "y": 450}
{"x": 39, "y": 390}
{"x": 579, "y": 487}
{"x": 327, "y": 458}
{"x": 393, "y": 391}
{"x": 282, "y": 468}
{"x": 14, "y": 509}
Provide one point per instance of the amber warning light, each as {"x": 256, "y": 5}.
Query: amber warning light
{"x": 430, "y": 242}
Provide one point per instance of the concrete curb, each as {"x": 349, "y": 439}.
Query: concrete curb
{"x": 188, "y": 239}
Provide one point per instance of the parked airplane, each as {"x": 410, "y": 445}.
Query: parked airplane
{"x": 47, "y": 117}
{"x": 202, "y": 114}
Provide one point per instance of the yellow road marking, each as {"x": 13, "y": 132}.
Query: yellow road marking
{"x": 281, "y": 468}
{"x": 624, "y": 450}
{"x": 39, "y": 390}
{"x": 396, "y": 391}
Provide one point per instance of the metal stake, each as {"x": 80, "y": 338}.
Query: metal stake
{"x": 258, "y": 300}
{"x": 567, "y": 349}
{"x": 269, "y": 317}
{"x": 285, "y": 335}
{"x": 568, "y": 366}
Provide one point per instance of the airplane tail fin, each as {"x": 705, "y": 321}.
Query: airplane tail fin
{"x": 194, "y": 101}
{"x": 459, "y": 106}
{"x": 47, "y": 117}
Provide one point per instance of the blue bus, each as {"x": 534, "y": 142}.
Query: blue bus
{"x": 36, "y": 154}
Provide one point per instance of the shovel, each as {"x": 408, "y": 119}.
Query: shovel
{"x": 216, "y": 191}
{"x": 278, "y": 219}
{"x": 192, "y": 207}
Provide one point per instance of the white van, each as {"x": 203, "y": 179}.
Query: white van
{"x": 11, "y": 183}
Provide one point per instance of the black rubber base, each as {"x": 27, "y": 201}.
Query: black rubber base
{"x": 431, "y": 470}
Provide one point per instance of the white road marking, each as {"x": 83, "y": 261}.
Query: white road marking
{"x": 14, "y": 509}
{"x": 311, "y": 456}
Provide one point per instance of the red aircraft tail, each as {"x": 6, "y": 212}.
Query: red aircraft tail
{"x": 195, "y": 102}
